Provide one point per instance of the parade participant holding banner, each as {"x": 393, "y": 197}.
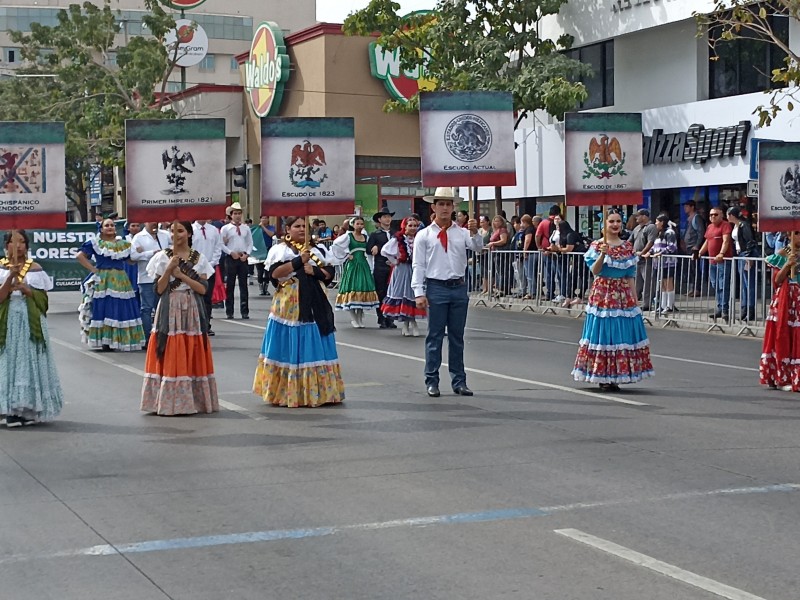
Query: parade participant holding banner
{"x": 109, "y": 314}
{"x": 237, "y": 244}
{"x": 179, "y": 370}
{"x": 614, "y": 348}
{"x": 30, "y": 391}
{"x": 144, "y": 246}
{"x": 439, "y": 264}
{"x": 400, "y": 300}
{"x": 356, "y": 288}
{"x": 298, "y": 364}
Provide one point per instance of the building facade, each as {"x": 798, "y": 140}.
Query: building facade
{"x": 698, "y": 119}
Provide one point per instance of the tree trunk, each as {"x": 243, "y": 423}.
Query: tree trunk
{"x": 498, "y": 200}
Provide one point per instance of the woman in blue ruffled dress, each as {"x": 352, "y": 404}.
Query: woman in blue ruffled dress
{"x": 109, "y": 313}
{"x": 30, "y": 391}
{"x": 614, "y": 348}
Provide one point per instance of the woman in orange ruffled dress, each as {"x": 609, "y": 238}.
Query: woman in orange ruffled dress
{"x": 179, "y": 371}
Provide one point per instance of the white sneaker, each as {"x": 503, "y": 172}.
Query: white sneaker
{"x": 405, "y": 330}
{"x": 559, "y": 298}
{"x": 414, "y": 329}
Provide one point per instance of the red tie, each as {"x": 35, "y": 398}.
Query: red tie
{"x": 238, "y": 231}
{"x": 203, "y": 229}
{"x": 443, "y": 238}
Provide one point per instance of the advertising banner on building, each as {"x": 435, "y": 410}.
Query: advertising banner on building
{"x": 308, "y": 166}
{"x": 175, "y": 169}
{"x": 779, "y": 186}
{"x": 603, "y": 154}
{"x": 32, "y": 175}
{"x": 467, "y": 139}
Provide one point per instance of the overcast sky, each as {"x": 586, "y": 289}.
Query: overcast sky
{"x": 334, "y": 11}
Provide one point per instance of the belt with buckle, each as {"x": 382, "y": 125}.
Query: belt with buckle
{"x": 448, "y": 282}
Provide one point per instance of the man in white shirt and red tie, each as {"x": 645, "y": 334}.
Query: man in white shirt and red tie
{"x": 439, "y": 264}
{"x": 207, "y": 240}
{"x": 237, "y": 244}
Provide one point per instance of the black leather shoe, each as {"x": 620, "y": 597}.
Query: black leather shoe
{"x": 390, "y": 324}
{"x": 433, "y": 391}
{"x": 463, "y": 390}
{"x": 245, "y": 317}
{"x": 211, "y": 333}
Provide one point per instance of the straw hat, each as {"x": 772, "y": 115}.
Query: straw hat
{"x": 233, "y": 207}
{"x": 443, "y": 193}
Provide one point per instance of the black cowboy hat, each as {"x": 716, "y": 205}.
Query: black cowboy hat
{"x": 384, "y": 211}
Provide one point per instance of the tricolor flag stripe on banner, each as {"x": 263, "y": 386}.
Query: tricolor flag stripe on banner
{"x": 175, "y": 169}
{"x": 467, "y": 139}
{"x": 32, "y": 176}
{"x": 779, "y": 186}
{"x": 603, "y": 155}
{"x": 308, "y": 166}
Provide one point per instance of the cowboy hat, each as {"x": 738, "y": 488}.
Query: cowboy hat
{"x": 384, "y": 211}
{"x": 233, "y": 207}
{"x": 443, "y": 193}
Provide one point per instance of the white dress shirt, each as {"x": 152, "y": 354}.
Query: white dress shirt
{"x": 144, "y": 246}
{"x": 431, "y": 261}
{"x": 207, "y": 241}
{"x": 237, "y": 238}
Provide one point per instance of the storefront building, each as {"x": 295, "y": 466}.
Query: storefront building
{"x": 697, "y": 114}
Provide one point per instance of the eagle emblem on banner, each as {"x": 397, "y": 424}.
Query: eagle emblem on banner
{"x": 604, "y": 159}
{"x": 307, "y": 165}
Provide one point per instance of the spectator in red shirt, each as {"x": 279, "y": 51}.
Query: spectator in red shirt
{"x": 549, "y": 266}
{"x": 720, "y": 250}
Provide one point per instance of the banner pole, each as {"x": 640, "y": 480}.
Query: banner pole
{"x": 471, "y": 208}
{"x": 792, "y": 252}
{"x": 603, "y": 223}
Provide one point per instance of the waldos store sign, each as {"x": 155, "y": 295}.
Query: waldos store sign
{"x": 697, "y": 145}
{"x": 402, "y": 84}
{"x": 266, "y": 70}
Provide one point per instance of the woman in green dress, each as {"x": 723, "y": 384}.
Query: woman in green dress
{"x": 356, "y": 287}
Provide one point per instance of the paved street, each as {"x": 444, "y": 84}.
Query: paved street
{"x": 684, "y": 487}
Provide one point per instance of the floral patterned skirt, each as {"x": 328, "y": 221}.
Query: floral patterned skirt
{"x": 614, "y": 347}
{"x": 182, "y": 381}
{"x": 297, "y": 366}
{"x": 785, "y": 372}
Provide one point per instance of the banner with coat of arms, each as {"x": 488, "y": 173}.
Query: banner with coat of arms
{"x": 32, "y": 176}
{"x": 779, "y": 186}
{"x": 308, "y": 166}
{"x": 175, "y": 169}
{"x": 603, "y": 154}
{"x": 467, "y": 138}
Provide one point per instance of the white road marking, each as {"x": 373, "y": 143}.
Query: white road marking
{"x": 575, "y": 344}
{"x": 105, "y": 359}
{"x": 648, "y": 562}
{"x": 552, "y": 386}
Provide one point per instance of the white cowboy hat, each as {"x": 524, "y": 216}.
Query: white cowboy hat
{"x": 233, "y": 207}
{"x": 443, "y": 193}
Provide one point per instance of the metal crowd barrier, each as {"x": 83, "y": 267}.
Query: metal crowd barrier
{"x": 559, "y": 283}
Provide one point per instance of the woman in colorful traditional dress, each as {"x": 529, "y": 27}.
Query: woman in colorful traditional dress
{"x": 298, "y": 364}
{"x": 614, "y": 348}
{"x": 779, "y": 366}
{"x": 109, "y": 313}
{"x": 356, "y": 287}
{"x": 400, "y": 302}
{"x": 30, "y": 391}
{"x": 179, "y": 370}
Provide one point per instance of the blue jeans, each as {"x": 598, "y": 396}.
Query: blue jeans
{"x": 447, "y": 308}
{"x": 147, "y": 294}
{"x": 720, "y": 276}
{"x": 532, "y": 273}
{"x": 549, "y": 267}
{"x": 747, "y": 282}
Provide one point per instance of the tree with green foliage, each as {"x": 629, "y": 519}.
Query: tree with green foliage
{"x": 76, "y": 72}
{"x": 734, "y": 20}
{"x": 481, "y": 45}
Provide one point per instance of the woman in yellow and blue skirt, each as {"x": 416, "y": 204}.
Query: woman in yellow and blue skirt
{"x": 298, "y": 364}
